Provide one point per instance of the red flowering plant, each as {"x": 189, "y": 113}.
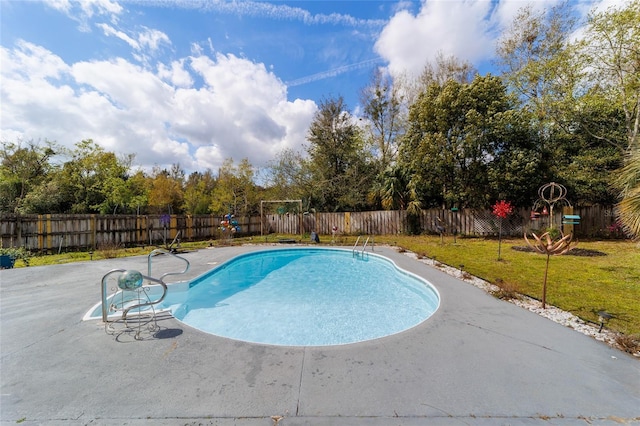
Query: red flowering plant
{"x": 502, "y": 209}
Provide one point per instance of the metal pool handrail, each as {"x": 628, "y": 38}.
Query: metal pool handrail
{"x": 364, "y": 246}
{"x": 163, "y": 251}
{"x": 147, "y": 277}
{"x": 353, "y": 251}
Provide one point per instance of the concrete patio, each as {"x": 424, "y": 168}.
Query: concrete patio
{"x": 477, "y": 361}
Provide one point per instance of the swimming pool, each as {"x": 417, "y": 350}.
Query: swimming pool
{"x": 305, "y": 297}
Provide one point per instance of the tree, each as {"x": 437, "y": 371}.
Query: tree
{"x": 138, "y": 185}
{"x": 288, "y": 177}
{"x": 586, "y": 168}
{"x": 165, "y": 190}
{"x": 446, "y": 68}
{"x": 92, "y": 181}
{"x": 538, "y": 62}
{"x": 235, "y": 191}
{"x": 628, "y": 183}
{"x": 45, "y": 198}
{"x": 337, "y": 160}
{"x": 456, "y": 132}
{"x": 198, "y": 192}
{"x": 611, "y": 50}
{"x": 384, "y": 121}
{"x": 23, "y": 168}
{"x": 572, "y": 90}
{"x": 395, "y": 191}
{"x": 593, "y": 82}
{"x": 517, "y": 168}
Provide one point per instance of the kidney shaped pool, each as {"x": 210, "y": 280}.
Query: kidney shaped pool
{"x": 305, "y": 297}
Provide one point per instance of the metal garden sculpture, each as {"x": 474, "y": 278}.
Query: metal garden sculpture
{"x": 550, "y": 194}
{"x": 544, "y": 244}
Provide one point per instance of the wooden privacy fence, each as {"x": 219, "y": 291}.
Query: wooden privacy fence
{"x": 54, "y": 233}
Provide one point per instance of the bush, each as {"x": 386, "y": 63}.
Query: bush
{"x": 109, "y": 250}
{"x": 17, "y": 253}
{"x": 629, "y": 343}
{"x": 506, "y": 290}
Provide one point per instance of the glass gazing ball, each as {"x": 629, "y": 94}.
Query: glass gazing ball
{"x": 130, "y": 280}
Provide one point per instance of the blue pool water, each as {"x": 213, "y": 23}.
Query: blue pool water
{"x": 305, "y": 297}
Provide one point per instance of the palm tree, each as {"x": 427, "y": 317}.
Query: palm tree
{"x": 628, "y": 182}
{"x": 396, "y": 190}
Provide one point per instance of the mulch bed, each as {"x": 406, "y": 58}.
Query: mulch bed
{"x": 572, "y": 252}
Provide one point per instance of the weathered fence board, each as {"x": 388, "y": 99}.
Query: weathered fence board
{"x": 62, "y": 232}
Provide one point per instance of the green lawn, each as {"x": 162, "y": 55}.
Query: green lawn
{"x": 583, "y": 285}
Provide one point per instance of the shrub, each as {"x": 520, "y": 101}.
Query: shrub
{"x": 109, "y": 250}
{"x": 506, "y": 290}
{"x": 17, "y": 253}
{"x": 629, "y": 343}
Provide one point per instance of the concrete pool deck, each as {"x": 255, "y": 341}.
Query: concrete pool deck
{"x": 478, "y": 360}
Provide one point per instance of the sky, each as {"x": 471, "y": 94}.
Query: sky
{"x": 197, "y": 82}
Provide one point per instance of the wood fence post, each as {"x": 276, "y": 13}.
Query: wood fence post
{"x": 94, "y": 231}
{"x": 347, "y": 223}
{"x": 173, "y": 226}
{"x": 49, "y": 231}
{"x": 39, "y": 229}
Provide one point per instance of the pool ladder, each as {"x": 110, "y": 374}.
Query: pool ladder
{"x": 364, "y": 245}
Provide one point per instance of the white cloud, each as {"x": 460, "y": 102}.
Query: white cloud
{"x": 110, "y": 31}
{"x": 242, "y": 106}
{"x": 82, "y": 11}
{"x": 333, "y": 72}
{"x": 466, "y": 29}
{"x": 240, "y": 111}
{"x": 176, "y": 74}
{"x": 507, "y": 10}
{"x": 29, "y": 60}
{"x": 152, "y": 39}
{"x": 460, "y": 28}
{"x": 148, "y": 40}
{"x": 281, "y": 11}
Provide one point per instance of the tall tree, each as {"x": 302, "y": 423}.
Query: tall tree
{"x": 569, "y": 90}
{"x": 288, "y": 177}
{"x": 235, "y": 191}
{"x": 457, "y": 134}
{"x": 198, "y": 192}
{"x": 139, "y": 186}
{"x": 166, "y": 191}
{"x": 446, "y": 68}
{"x": 538, "y": 62}
{"x": 383, "y": 118}
{"x": 438, "y": 71}
{"x": 516, "y": 170}
{"x": 611, "y": 49}
{"x": 338, "y": 162}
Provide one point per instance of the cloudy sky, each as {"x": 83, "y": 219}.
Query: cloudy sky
{"x": 197, "y": 82}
